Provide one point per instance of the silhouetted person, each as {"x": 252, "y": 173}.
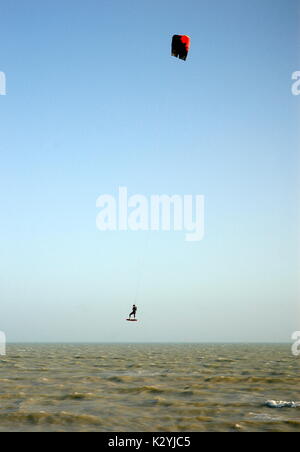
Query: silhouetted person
{"x": 134, "y": 309}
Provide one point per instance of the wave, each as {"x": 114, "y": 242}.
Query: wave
{"x": 142, "y": 389}
{"x": 77, "y": 396}
{"x": 244, "y": 379}
{"x": 281, "y": 404}
{"x": 43, "y": 417}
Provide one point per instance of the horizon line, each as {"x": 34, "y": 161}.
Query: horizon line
{"x": 152, "y": 342}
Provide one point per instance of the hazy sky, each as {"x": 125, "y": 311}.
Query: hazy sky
{"x": 95, "y": 101}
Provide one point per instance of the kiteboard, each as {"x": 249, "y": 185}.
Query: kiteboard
{"x": 132, "y": 320}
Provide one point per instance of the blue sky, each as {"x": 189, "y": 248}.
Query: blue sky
{"x": 95, "y": 101}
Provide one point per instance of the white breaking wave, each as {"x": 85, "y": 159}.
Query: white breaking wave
{"x": 282, "y": 404}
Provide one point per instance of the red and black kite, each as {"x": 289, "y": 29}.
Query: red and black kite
{"x": 180, "y": 46}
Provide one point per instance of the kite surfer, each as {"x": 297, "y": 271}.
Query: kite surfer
{"x": 134, "y": 309}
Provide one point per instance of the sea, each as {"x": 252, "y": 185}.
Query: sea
{"x": 149, "y": 388}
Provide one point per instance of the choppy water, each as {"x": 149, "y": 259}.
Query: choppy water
{"x": 141, "y": 388}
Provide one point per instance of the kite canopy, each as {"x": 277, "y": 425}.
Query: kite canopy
{"x": 180, "y": 46}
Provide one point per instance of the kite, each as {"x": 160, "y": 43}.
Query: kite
{"x": 180, "y": 46}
